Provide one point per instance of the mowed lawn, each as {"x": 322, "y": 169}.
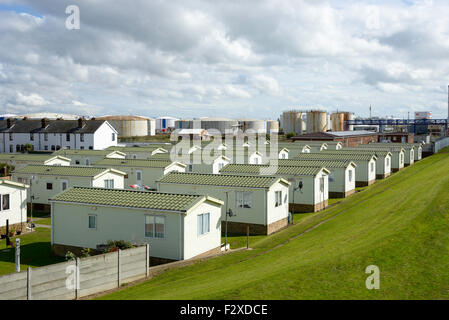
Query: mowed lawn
{"x": 35, "y": 251}
{"x": 400, "y": 224}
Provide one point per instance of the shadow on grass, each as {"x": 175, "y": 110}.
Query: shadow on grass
{"x": 36, "y": 254}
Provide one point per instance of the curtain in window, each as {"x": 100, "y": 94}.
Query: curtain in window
{"x": 5, "y": 202}
{"x": 149, "y": 226}
{"x": 159, "y": 227}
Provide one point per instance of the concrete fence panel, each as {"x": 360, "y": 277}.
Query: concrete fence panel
{"x": 13, "y": 286}
{"x": 77, "y": 278}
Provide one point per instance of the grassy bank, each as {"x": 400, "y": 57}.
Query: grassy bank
{"x": 400, "y": 225}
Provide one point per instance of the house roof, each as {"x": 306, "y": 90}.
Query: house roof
{"x": 334, "y": 156}
{"x": 54, "y": 126}
{"x": 220, "y": 180}
{"x": 13, "y": 184}
{"x": 316, "y": 163}
{"x": 132, "y": 199}
{"x": 146, "y": 149}
{"x": 29, "y": 157}
{"x": 86, "y": 152}
{"x": 287, "y": 170}
{"x": 136, "y": 163}
{"x": 77, "y": 171}
{"x": 380, "y": 153}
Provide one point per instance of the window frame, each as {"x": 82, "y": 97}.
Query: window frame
{"x": 201, "y": 217}
{"x": 108, "y": 183}
{"x": 241, "y": 199}
{"x": 154, "y": 216}
{"x": 47, "y": 184}
{"x": 96, "y": 221}
{"x": 2, "y": 200}
{"x": 277, "y": 198}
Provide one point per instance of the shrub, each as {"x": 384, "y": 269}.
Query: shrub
{"x": 290, "y": 135}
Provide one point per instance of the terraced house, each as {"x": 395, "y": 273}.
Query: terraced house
{"x": 177, "y": 226}
{"x": 142, "y": 173}
{"x": 52, "y": 135}
{"x": 257, "y": 202}
{"x": 309, "y": 186}
{"x": 19, "y": 160}
{"x": 47, "y": 181}
{"x": 87, "y": 157}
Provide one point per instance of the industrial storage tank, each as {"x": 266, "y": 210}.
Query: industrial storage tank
{"x": 128, "y": 126}
{"x": 165, "y": 124}
{"x": 292, "y": 121}
{"x": 184, "y": 124}
{"x": 151, "y": 123}
{"x": 49, "y": 115}
{"x": 224, "y": 125}
{"x": 338, "y": 121}
{"x": 348, "y": 116}
{"x": 316, "y": 121}
{"x": 272, "y": 126}
{"x": 255, "y": 125}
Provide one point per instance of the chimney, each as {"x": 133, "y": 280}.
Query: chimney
{"x": 9, "y": 122}
{"x": 81, "y": 122}
{"x": 45, "y": 122}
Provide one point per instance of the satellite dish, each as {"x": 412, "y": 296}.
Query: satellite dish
{"x": 230, "y": 213}
{"x": 300, "y": 185}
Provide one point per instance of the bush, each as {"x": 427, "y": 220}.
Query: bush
{"x": 114, "y": 245}
{"x": 70, "y": 256}
{"x": 290, "y": 135}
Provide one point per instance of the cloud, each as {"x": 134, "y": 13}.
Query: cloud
{"x": 193, "y": 56}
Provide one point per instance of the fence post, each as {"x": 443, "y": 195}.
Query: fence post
{"x": 247, "y": 237}
{"x": 118, "y": 268}
{"x": 147, "y": 259}
{"x": 29, "y": 283}
{"x": 77, "y": 278}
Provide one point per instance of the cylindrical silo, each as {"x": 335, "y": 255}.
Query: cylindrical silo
{"x": 128, "y": 126}
{"x": 316, "y": 121}
{"x": 258, "y": 126}
{"x": 348, "y": 116}
{"x": 338, "y": 121}
{"x": 272, "y": 126}
{"x": 151, "y": 123}
{"x": 291, "y": 121}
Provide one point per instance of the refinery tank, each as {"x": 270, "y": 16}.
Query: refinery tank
{"x": 184, "y": 124}
{"x": 258, "y": 126}
{"x": 316, "y": 121}
{"x": 165, "y": 124}
{"x": 272, "y": 126}
{"x": 292, "y": 121}
{"x": 348, "y": 116}
{"x": 128, "y": 126}
{"x": 151, "y": 124}
{"x": 338, "y": 121}
{"x": 224, "y": 125}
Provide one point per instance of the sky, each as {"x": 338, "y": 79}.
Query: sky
{"x": 225, "y": 58}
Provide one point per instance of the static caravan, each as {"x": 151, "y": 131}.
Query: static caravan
{"x": 341, "y": 174}
{"x": 383, "y": 162}
{"x": 20, "y": 160}
{"x": 142, "y": 173}
{"x": 398, "y": 155}
{"x": 309, "y": 186}
{"x": 47, "y": 181}
{"x": 87, "y": 157}
{"x": 13, "y": 205}
{"x": 295, "y": 148}
{"x": 409, "y": 148}
{"x": 176, "y": 226}
{"x": 260, "y": 203}
{"x": 139, "y": 152}
{"x": 365, "y": 173}
{"x": 198, "y": 162}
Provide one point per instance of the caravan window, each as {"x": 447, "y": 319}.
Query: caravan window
{"x": 244, "y": 199}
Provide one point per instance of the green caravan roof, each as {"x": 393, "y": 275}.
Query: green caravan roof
{"x": 220, "y": 180}
{"x": 337, "y": 156}
{"x": 132, "y": 199}
{"x": 136, "y": 163}
{"x": 287, "y": 170}
{"x": 77, "y": 171}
